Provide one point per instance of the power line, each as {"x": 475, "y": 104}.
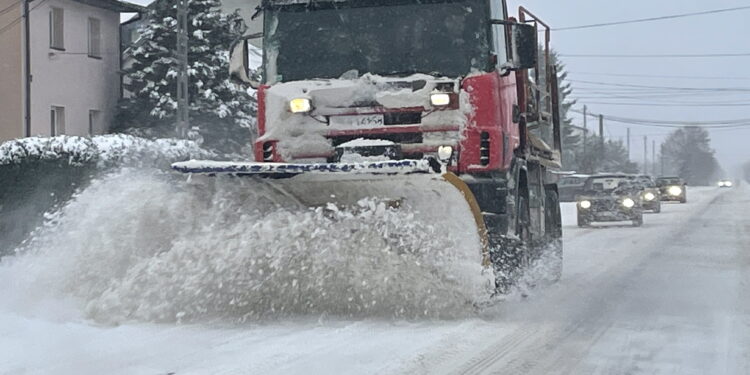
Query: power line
{"x": 652, "y": 19}
{"x": 18, "y": 19}
{"x": 659, "y": 76}
{"x": 732, "y": 89}
{"x": 657, "y": 56}
{"x": 717, "y": 124}
{"x": 746, "y": 104}
{"x": 9, "y": 7}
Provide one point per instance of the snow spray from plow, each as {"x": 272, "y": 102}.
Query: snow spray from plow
{"x": 141, "y": 245}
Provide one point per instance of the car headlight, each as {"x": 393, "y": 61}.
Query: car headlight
{"x": 721, "y": 183}
{"x": 628, "y": 203}
{"x": 649, "y": 196}
{"x": 728, "y": 184}
{"x": 445, "y": 153}
{"x": 300, "y": 105}
{"x": 440, "y": 99}
{"x": 675, "y": 190}
{"x": 585, "y": 204}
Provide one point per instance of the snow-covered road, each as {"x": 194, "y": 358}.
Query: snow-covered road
{"x": 672, "y": 297}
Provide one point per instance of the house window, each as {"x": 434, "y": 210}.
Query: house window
{"x": 56, "y": 28}
{"x": 94, "y": 126}
{"x": 57, "y": 121}
{"x": 95, "y": 37}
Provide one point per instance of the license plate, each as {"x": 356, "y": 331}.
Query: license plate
{"x": 357, "y": 121}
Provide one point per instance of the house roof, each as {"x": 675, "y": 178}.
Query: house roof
{"x": 115, "y": 5}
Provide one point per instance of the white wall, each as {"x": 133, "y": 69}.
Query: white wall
{"x": 71, "y": 78}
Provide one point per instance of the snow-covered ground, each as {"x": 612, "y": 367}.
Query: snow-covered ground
{"x": 668, "y": 298}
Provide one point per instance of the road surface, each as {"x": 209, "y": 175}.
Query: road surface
{"x": 672, "y": 297}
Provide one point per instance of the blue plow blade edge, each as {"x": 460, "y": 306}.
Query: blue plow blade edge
{"x": 286, "y": 170}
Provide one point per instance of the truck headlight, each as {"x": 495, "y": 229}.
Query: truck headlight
{"x": 628, "y": 203}
{"x": 445, "y": 153}
{"x": 440, "y": 99}
{"x": 300, "y": 105}
{"x": 585, "y": 204}
{"x": 674, "y": 190}
{"x": 649, "y": 196}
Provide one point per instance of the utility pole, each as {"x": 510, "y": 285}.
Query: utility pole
{"x": 661, "y": 156}
{"x": 183, "y": 114}
{"x": 27, "y": 68}
{"x": 653, "y": 156}
{"x": 601, "y": 137}
{"x": 628, "y": 143}
{"x": 645, "y": 154}
{"x": 585, "y": 130}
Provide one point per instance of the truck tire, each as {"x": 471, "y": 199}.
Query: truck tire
{"x": 554, "y": 249}
{"x": 510, "y": 258}
{"x": 657, "y": 209}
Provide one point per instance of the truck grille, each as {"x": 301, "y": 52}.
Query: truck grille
{"x": 604, "y": 205}
{"x": 400, "y": 138}
{"x": 402, "y": 118}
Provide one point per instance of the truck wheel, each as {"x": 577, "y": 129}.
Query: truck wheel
{"x": 657, "y": 209}
{"x": 511, "y": 257}
{"x": 554, "y": 251}
{"x": 683, "y": 200}
{"x": 638, "y": 221}
{"x": 556, "y": 260}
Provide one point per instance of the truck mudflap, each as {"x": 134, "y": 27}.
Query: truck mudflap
{"x": 437, "y": 196}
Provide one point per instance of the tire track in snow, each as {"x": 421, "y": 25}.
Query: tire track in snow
{"x": 533, "y": 347}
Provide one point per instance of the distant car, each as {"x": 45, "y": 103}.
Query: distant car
{"x": 725, "y": 183}
{"x": 672, "y": 189}
{"x": 571, "y": 186}
{"x": 650, "y": 194}
{"x": 608, "y": 198}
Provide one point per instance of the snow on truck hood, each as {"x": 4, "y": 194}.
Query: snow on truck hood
{"x": 303, "y": 134}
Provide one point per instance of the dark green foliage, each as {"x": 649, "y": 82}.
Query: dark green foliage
{"x": 613, "y": 158}
{"x": 222, "y": 114}
{"x": 30, "y": 190}
{"x": 687, "y": 153}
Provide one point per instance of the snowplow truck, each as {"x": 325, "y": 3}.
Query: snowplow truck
{"x": 449, "y": 107}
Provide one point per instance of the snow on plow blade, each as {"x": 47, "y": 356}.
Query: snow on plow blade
{"x": 440, "y": 198}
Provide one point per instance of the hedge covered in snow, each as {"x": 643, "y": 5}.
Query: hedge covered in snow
{"x": 104, "y": 150}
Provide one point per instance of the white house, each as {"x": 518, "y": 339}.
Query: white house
{"x": 61, "y": 74}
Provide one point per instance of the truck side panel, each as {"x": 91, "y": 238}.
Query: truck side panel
{"x": 491, "y": 135}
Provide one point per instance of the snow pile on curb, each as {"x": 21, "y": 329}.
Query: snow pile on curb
{"x": 103, "y": 149}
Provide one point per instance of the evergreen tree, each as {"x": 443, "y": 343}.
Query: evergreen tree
{"x": 688, "y": 154}
{"x": 571, "y": 138}
{"x": 613, "y": 158}
{"x": 221, "y": 112}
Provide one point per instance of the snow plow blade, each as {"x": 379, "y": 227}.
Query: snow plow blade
{"x": 437, "y": 196}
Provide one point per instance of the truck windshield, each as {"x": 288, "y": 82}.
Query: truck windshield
{"x": 385, "y": 37}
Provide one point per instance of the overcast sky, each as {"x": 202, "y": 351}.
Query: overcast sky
{"x": 708, "y": 34}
